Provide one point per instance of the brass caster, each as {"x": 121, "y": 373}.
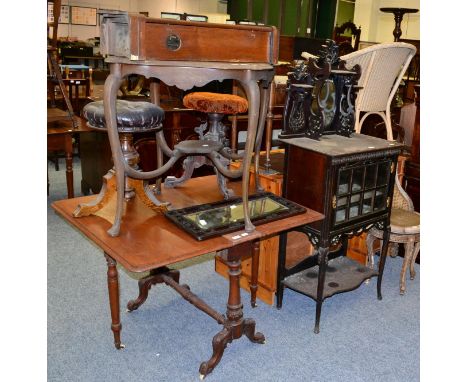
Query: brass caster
{"x": 202, "y": 377}
{"x": 253, "y": 304}
{"x": 121, "y": 346}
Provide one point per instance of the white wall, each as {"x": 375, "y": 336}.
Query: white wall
{"x": 198, "y": 7}
{"x": 378, "y": 26}
{"x": 212, "y": 8}
{"x": 84, "y": 32}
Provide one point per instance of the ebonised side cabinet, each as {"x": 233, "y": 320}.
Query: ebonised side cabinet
{"x": 350, "y": 180}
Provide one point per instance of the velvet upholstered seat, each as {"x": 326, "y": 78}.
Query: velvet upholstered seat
{"x": 212, "y": 147}
{"x": 216, "y": 103}
{"x": 131, "y": 116}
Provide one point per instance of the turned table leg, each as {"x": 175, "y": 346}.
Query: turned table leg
{"x": 254, "y": 273}
{"x": 69, "y": 165}
{"x": 235, "y": 326}
{"x": 113, "y": 286}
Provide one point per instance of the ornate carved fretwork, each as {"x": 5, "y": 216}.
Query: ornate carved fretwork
{"x": 321, "y": 95}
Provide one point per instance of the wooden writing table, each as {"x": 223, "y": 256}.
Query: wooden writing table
{"x": 149, "y": 242}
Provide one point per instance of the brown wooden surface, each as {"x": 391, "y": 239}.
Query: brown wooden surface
{"x": 148, "y": 40}
{"x": 148, "y": 241}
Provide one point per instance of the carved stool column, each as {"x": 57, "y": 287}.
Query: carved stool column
{"x": 216, "y": 106}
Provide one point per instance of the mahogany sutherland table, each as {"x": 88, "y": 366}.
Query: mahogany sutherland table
{"x": 150, "y": 242}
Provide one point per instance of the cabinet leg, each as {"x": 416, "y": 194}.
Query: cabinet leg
{"x": 283, "y": 241}
{"x": 113, "y": 287}
{"x": 322, "y": 262}
{"x": 383, "y": 258}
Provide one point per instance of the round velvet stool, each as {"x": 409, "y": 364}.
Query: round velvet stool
{"x": 132, "y": 117}
{"x": 212, "y": 138}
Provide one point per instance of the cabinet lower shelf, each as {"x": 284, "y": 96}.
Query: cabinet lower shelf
{"x": 342, "y": 275}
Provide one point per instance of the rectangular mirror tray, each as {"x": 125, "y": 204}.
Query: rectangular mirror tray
{"x": 215, "y": 219}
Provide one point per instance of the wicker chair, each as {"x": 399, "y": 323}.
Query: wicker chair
{"x": 382, "y": 68}
{"x": 404, "y": 228}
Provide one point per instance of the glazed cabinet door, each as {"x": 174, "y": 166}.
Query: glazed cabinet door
{"x": 362, "y": 189}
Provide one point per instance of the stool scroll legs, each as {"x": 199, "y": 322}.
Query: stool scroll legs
{"x": 253, "y": 95}
{"x": 264, "y": 98}
{"x": 111, "y": 86}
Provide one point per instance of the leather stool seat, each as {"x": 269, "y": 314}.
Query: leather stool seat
{"x": 132, "y": 116}
{"x": 216, "y": 103}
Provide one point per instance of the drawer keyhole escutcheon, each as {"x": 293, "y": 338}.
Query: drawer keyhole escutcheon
{"x": 173, "y": 42}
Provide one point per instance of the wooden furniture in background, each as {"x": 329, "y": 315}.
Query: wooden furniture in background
{"x": 54, "y": 76}
{"x": 350, "y": 181}
{"x": 345, "y": 43}
{"x": 412, "y": 76}
{"x": 398, "y": 14}
{"x": 411, "y": 178}
{"x": 60, "y": 135}
{"x": 151, "y": 242}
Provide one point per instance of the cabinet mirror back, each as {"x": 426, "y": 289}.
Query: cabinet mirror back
{"x": 320, "y": 96}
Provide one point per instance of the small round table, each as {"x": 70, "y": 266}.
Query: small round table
{"x": 398, "y": 13}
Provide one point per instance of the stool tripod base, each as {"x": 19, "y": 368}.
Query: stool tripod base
{"x": 190, "y": 164}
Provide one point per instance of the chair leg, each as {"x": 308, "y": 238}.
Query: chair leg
{"x": 393, "y": 249}
{"x": 413, "y": 260}
{"x": 409, "y": 248}
{"x": 388, "y": 125}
